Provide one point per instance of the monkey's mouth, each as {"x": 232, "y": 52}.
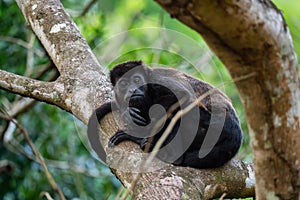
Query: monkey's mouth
{"x": 137, "y": 101}
{"x": 135, "y": 96}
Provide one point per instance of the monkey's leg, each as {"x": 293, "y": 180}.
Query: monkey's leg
{"x": 216, "y": 158}
{"x": 225, "y": 149}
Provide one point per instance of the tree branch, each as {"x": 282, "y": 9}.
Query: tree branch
{"x": 23, "y": 44}
{"x": 83, "y": 85}
{"x": 87, "y": 7}
{"x": 40, "y": 158}
{"x": 60, "y": 37}
{"x": 42, "y": 91}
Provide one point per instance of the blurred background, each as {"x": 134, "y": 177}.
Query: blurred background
{"x": 117, "y": 30}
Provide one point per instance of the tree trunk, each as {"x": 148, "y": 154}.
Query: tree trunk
{"x": 251, "y": 37}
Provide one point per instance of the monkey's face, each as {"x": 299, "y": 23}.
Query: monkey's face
{"x": 132, "y": 89}
{"x": 140, "y": 98}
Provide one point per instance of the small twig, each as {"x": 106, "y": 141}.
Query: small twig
{"x": 87, "y": 7}
{"x": 20, "y": 106}
{"x": 14, "y": 146}
{"x": 3, "y": 128}
{"x": 223, "y": 196}
{"x": 44, "y": 69}
{"x": 30, "y": 55}
{"x": 39, "y": 157}
{"x": 47, "y": 195}
{"x": 120, "y": 191}
{"x": 22, "y": 43}
{"x": 41, "y": 160}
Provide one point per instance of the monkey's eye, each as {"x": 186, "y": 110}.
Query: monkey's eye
{"x": 137, "y": 79}
{"x": 123, "y": 84}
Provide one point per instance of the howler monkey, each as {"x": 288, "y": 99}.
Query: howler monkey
{"x": 206, "y": 136}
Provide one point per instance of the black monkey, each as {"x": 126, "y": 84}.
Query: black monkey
{"x": 207, "y": 136}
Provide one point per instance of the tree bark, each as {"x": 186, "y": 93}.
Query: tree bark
{"x": 82, "y": 86}
{"x": 252, "y": 37}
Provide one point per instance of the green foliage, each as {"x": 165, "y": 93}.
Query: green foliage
{"x": 58, "y": 135}
{"x": 291, "y": 12}
{"x": 54, "y": 133}
{"x": 10, "y": 51}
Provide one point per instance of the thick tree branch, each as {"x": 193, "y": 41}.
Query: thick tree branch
{"x": 83, "y": 84}
{"x": 60, "y": 36}
{"x": 235, "y": 179}
{"x": 42, "y": 91}
{"x": 251, "y": 36}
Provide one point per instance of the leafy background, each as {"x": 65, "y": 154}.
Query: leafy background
{"x": 58, "y": 135}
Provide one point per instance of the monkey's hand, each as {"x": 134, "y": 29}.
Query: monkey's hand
{"x": 121, "y": 136}
{"x": 137, "y": 117}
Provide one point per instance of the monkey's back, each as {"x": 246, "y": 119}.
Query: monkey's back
{"x": 166, "y": 76}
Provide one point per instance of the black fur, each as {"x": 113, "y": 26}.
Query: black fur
{"x": 156, "y": 88}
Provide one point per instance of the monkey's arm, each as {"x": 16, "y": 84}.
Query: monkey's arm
{"x": 104, "y": 109}
{"x": 93, "y": 128}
